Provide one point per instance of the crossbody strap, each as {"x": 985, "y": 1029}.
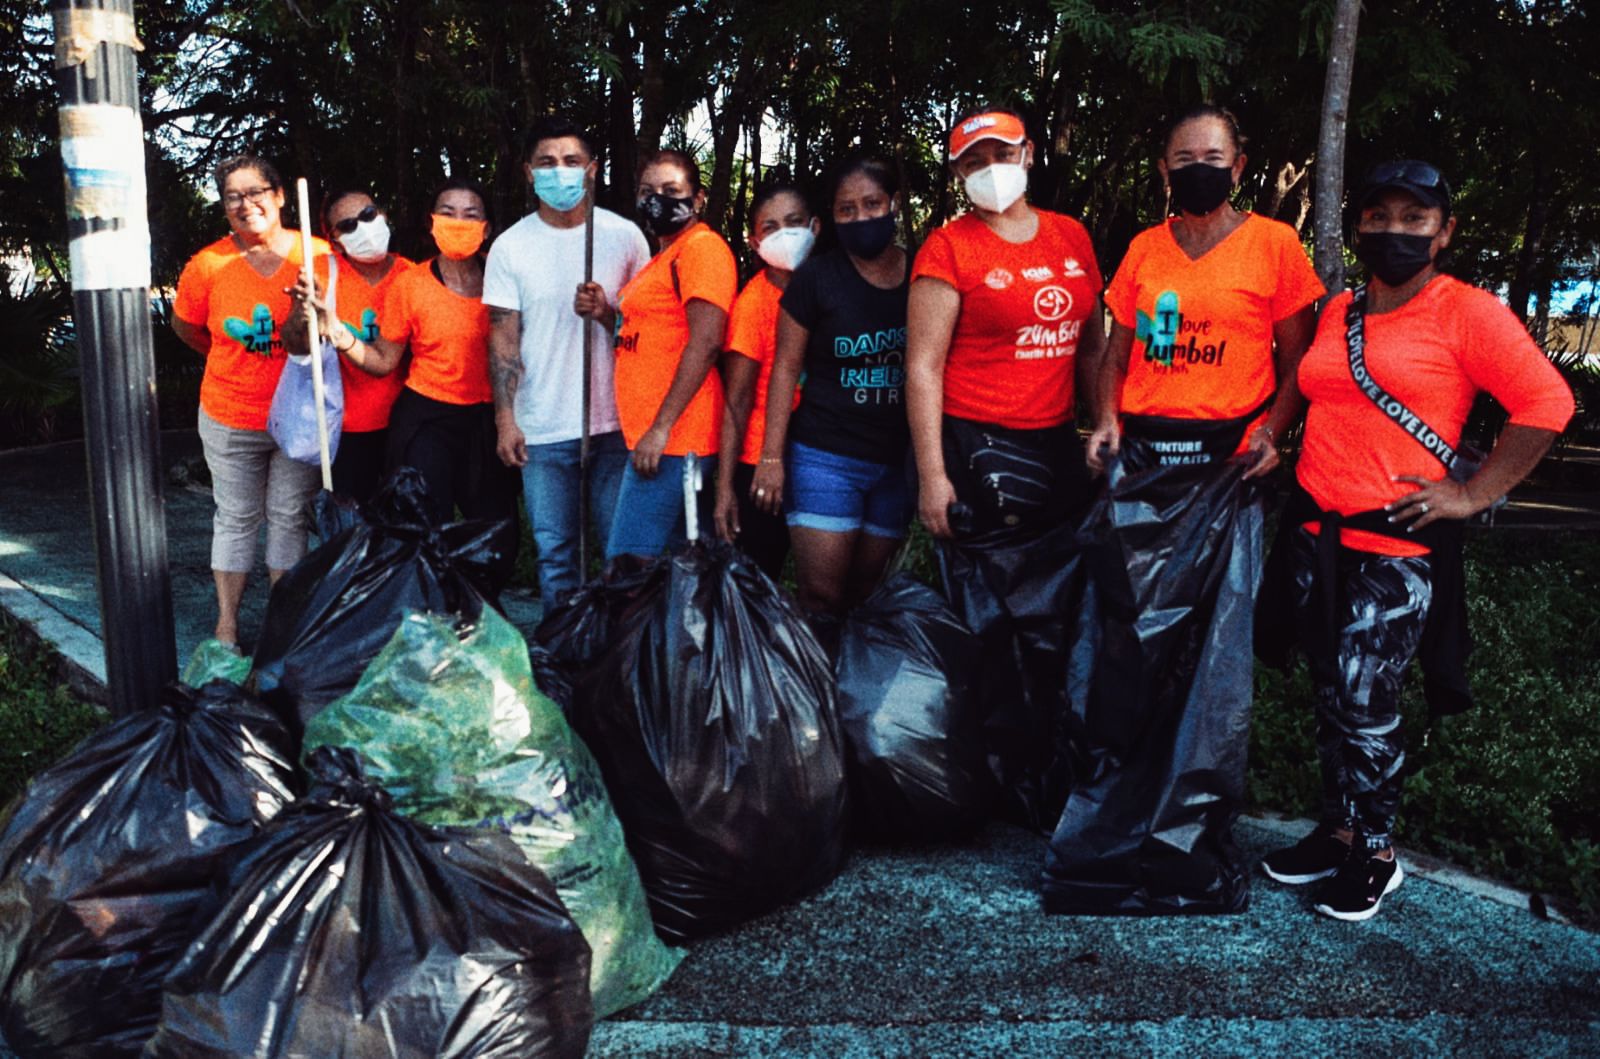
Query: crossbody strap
{"x": 1390, "y": 405}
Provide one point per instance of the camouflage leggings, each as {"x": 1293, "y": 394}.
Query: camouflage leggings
{"x": 1383, "y": 603}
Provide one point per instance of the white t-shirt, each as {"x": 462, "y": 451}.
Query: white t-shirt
{"x": 535, "y": 269}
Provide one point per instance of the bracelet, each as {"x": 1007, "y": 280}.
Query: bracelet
{"x": 771, "y": 459}
{"x": 1268, "y": 432}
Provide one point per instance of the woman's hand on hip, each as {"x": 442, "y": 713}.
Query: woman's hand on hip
{"x": 1445, "y": 498}
{"x": 766, "y": 487}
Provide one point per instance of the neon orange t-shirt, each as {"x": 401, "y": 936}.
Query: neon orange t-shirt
{"x": 753, "y": 333}
{"x": 1434, "y": 353}
{"x": 242, "y": 310}
{"x": 367, "y": 398}
{"x": 1023, "y": 306}
{"x": 1203, "y": 328}
{"x": 652, "y": 330}
{"x": 448, "y": 334}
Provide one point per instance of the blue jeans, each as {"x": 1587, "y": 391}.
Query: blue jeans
{"x": 550, "y": 489}
{"x": 841, "y": 494}
{"x": 649, "y": 517}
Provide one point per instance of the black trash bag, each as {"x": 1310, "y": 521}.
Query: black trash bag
{"x": 579, "y": 628}
{"x": 351, "y": 932}
{"x": 329, "y": 616}
{"x": 908, "y": 672}
{"x": 551, "y": 677}
{"x": 713, "y": 716}
{"x": 1162, "y": 681}
{"x": 1020, "y": 593}
{"x": 106, "y": 856}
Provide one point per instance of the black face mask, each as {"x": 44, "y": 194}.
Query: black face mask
{"x": 663, "y": 214}
{"x": 1198, "y": 188}
{"x": 869, "y": 238}
{"x": 1394, "y": 257}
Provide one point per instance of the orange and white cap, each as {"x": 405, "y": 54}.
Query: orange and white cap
{"x": 990, "y": 125}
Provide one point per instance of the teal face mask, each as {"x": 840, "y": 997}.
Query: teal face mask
{"x": 559, "y": 187}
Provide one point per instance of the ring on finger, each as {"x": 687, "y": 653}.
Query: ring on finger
{"x": 761, "y": 492}
{"x": 1424, "y": 507}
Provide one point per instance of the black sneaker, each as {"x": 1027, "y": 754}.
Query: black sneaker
{"x": 1358, "y": 888}
{"x": 1314, "y": 857}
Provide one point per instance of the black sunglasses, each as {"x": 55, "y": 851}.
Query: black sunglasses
{"x": 1421, "y": 174}
{"x": 348, "y": 225}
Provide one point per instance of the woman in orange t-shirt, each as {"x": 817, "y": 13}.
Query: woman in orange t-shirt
{"x": 1370, "y": 544}
{"x": 442, "y": 423}
{"x": 1004, "y": 320}
{"x": 782, "y": 233}
{"x": 364, "y": 269}
{"x": 230, "y": 304}
{"x": 669, "y": 322}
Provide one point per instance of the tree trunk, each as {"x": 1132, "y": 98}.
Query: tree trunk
{"x": 1329, "y": 244}
{"x": 1532, "y": 237}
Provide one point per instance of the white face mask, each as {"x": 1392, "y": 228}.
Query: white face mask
{"x": 997, "y": 186}
{"x": 786, "y": 248}
{"x": 369, "y": 242}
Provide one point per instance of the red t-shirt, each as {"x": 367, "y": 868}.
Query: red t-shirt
{"x": 753, "y": 333}
{"x": 1434, "y": 353}
{"x": 242, "y": 310}
{"x": 1023, "y": 305}
{"x": 652, "y": 330}
{"x": 367, "y": 398}
{"x": 448, "y": 335}
{"x": 1203, "y": 328}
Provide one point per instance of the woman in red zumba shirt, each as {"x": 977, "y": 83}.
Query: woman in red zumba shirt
{"x": 1372, "y": 534}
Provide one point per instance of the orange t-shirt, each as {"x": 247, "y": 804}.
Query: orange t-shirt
{"x": 1023, "y": 305}
{"x": 753, "y": 333}
{"x": 652, "y": 329}
{"x": 448, "y": 334}
{"x": 1203, "y": 328}
{"x": 242, "y": 310}
{"x": 367, "y": 398}
{"x": 1434, "y": 354}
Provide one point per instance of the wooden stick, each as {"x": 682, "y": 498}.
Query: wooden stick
{"x": 314, "y": 342}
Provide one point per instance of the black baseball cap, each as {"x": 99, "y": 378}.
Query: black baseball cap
{"x": 1419, "y": 179}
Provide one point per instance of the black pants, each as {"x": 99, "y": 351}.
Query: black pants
{"x": 453, "y": 446}
{"x": 1014, "y": 480}
{"x": 1383, "y": 604}
{"x": 763, "y": 537}
{"x": 358, "y": 469}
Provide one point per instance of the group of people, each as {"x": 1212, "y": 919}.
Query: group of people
{"x": 846, "y": 388}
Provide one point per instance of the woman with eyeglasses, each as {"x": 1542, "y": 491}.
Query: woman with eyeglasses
{"x": 359, "y": 272}
{"x": 1211, "y": 311}
{"x": 442, "y": 423}
{"x": 233, "y": 297}
{"x": 1370, "y": 544}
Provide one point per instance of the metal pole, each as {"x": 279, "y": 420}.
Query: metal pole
{"x": 102, "y": 152}
{"x": 588, "y": 399}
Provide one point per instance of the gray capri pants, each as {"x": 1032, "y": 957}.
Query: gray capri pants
{"x": 253, "y": 481}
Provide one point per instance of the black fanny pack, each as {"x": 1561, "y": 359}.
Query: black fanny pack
{"x": 1166, "y": 441}
{"x": 1015, "y": 476}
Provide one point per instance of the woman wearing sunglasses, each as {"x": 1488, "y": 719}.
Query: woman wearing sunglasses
{"x": 359, "y": 272}
{"x": 1370, "y": 544}
{"x": 232, "y": 299}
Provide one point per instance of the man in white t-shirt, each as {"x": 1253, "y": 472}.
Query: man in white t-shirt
{"x": 533, "y": 286}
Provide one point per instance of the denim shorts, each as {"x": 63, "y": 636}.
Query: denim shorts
{"x": 841, "y": 494}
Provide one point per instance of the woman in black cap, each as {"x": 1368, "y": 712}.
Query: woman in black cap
{"x": 1372, "y": 535}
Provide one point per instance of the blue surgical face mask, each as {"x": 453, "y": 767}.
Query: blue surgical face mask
{"x": 560, "y": 187}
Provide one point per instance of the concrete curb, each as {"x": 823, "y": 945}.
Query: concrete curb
{"x": 82, "y": 654}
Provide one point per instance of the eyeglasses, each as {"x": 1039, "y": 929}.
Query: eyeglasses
{"x": 234, "y": 199}
{"x": 348, "y": 225}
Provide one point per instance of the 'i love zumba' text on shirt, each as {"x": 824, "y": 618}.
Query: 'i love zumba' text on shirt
{"x": 1023, "y": 306}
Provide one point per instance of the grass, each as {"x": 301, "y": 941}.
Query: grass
{"x": 40, "y": 719}
{"x": 1511, "y": 790}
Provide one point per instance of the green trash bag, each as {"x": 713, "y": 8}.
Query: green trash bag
{"x": 215, "y": 660}
{"x": 450, "y": 724}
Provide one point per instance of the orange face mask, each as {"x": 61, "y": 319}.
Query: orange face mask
{"x": 457, "y": 237}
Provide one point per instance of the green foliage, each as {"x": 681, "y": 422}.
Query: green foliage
{"x": 38, "y": 360}
{"x": 40, "y": 719}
